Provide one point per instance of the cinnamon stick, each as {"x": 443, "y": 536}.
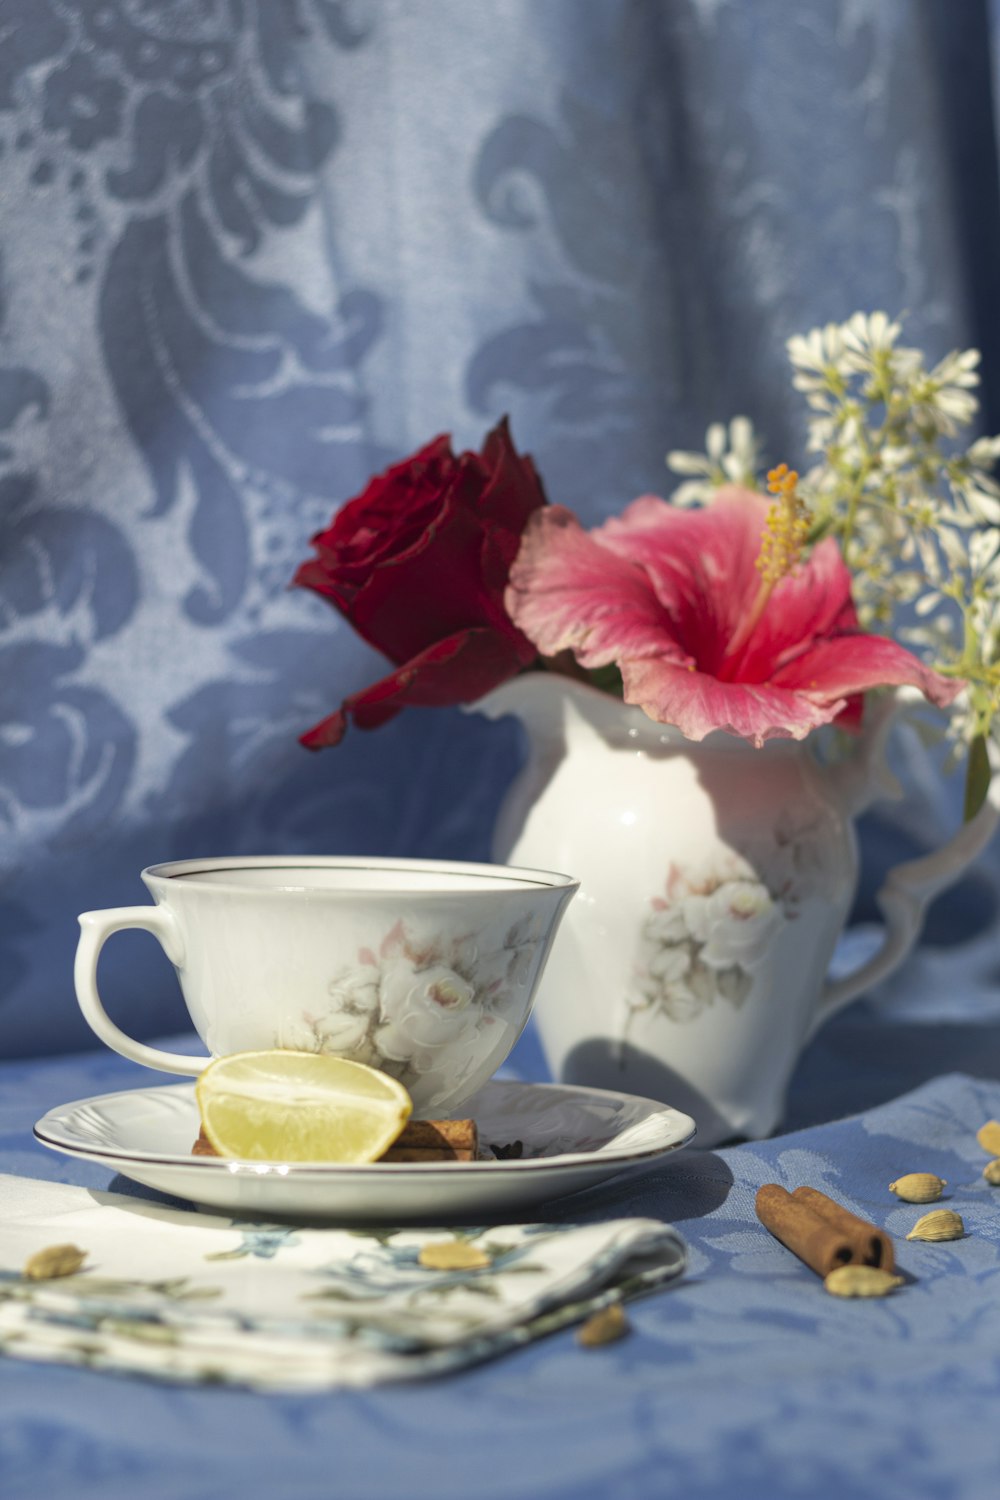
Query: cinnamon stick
{"x": 427, "y": 1153}
{"x": 203, "y": 1146}
{"x": 460, "y": 1135}
{"x": 871, "y": 1245}
{"x": 419, "y": 1140}
{"x": 822, "y": 1240}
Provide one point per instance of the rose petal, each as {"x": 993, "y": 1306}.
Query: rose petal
{"x": 435, "y": 591}
{"x": 327, "y": 733}
{"x": 423, "y": 554}
{"x": 514, "y": 490}
{"x": 390, "y": 515}
{"x": 456, "y": 670}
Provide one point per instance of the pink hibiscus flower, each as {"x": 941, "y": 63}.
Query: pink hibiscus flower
{"x": 669, "y": 597}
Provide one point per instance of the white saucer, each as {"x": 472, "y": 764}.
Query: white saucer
{"x": 570, "y": 1138}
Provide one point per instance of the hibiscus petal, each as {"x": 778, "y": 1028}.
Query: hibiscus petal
{"x": 459, "y": 669}
{"x": 704, "y": 567}
{"x": 697, "y": 703}
{"x": 702, "y": 563}
{"x": 813, "y": 600}
{"x": 569, "y": 593}
{"x": 854, "y": 662}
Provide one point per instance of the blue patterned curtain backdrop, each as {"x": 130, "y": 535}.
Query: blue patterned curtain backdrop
{"x": 252, "y": 250}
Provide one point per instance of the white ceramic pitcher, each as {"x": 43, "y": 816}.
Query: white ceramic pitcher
{"x": 715, "y": 881}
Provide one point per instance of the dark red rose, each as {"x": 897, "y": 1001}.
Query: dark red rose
{"x": 418, "y": 564}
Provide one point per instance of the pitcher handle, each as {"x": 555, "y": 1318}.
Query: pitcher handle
{"x": 95, "y": 929}
{"x": 904, "y": 897}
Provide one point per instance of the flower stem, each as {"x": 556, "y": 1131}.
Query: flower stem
{"x": 977, "y": 776}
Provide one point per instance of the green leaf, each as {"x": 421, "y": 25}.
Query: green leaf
{"x": 977, "y": 776}
{"x": 608, "y": 679}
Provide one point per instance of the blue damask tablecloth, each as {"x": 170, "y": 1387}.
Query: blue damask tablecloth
{"x": 743, "y": 1380}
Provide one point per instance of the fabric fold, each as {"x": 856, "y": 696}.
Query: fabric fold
{"x": 180, "y": 1295}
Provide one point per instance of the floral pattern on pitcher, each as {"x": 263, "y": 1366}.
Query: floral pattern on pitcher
{"x": 396, "y": 1007}
{"x": 716, "y": 924}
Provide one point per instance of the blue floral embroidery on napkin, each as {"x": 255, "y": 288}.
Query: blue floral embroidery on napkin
{"x": 262, "y": 1241}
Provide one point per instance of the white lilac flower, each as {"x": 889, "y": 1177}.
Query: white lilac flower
{"x": 928, "y": 601}
{"x": 930, "y": 560}
{"x": 741, "y": 459}
{"x": 959, "y": 369}
{"x": 984, "y": 452}
{"x": 731, "y": 457}
{"x": 954, "y": 547}
{"x": 819, "y": 355}
{"x": 869, "y": 334}
{"x": 915, "y": 516}
{"x": 984, "y": 506}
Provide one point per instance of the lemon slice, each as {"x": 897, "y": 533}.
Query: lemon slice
{"x": 299, "y": 1106}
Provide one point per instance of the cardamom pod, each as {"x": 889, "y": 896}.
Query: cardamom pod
{"x": 988, "y": 1136}
{"x": 603, "y": 1327}
{"x": 454, "y": 1255}
{"x": 991, "y": 1172}
{"x": 919, "y": 1187}
{"x": 861, "y": 1281}
{"x": 939, "y": 1224}
{"x": 57, "y": 1260}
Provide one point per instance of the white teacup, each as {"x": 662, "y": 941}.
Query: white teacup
{"x": 424, "y": 968}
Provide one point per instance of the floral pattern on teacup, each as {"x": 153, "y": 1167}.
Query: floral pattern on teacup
{"x": 418, "y": 1005}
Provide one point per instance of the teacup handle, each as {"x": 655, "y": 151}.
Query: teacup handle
{"x": 903, "y": 899}
{"x": 95, "y": 929}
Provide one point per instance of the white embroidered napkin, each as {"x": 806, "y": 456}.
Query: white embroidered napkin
{"x": 187, "y": 1296}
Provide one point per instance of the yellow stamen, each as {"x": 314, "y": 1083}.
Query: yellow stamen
{"x": 786, "y": 528}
